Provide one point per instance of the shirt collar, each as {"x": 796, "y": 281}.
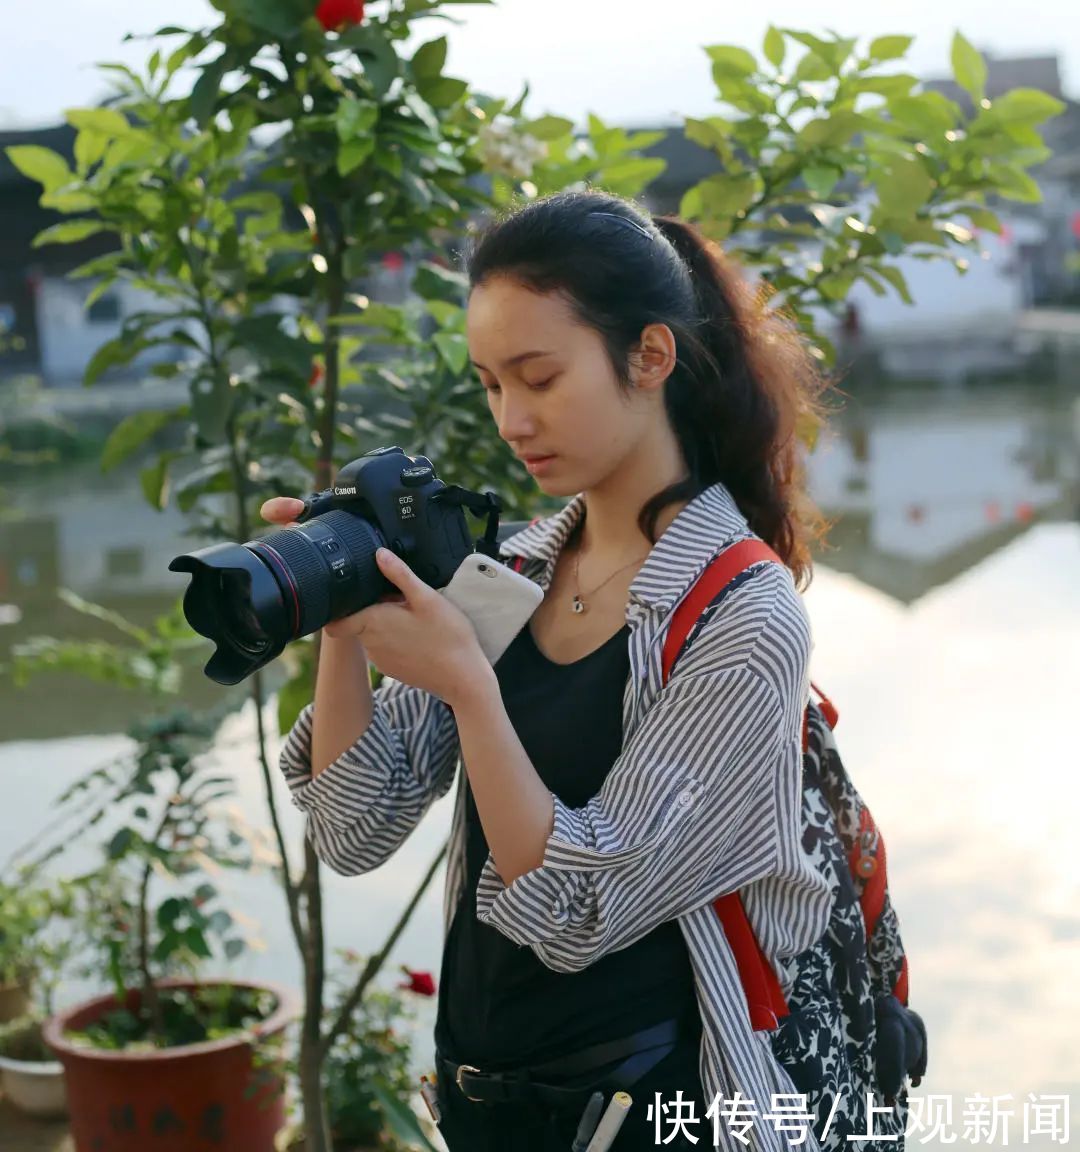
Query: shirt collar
{"x": 708, "y": 523}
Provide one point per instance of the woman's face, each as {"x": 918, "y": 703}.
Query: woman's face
{"x": 561, "y": 411}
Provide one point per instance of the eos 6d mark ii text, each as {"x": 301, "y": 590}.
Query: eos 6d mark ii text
{"x": 251, "y": 599}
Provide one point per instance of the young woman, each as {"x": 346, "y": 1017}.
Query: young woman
{"x": 599, "y": 813}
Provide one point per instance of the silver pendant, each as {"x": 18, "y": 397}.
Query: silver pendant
{"x": 579, "y": 607}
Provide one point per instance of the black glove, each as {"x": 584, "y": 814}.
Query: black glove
{"x": 901, "y": 1046}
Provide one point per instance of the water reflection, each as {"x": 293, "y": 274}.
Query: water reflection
{"x": 947, "y": 626}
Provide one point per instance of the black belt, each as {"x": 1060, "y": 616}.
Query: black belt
{"x": 642, "y": 1051}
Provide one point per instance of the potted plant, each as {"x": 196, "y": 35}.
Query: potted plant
{"x": 32, "y": 957}
{"x": 31, "y": 1076}
{"x": 367, "y": 1076}
{"x": 168, "y": 1061}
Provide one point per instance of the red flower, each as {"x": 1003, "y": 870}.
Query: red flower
{"x": 333, "y": 14}
{"x": 317, "y": 373}
{"x": 422, "y": 983}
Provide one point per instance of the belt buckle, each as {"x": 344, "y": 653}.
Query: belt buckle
{"x": 457, "y": 1080}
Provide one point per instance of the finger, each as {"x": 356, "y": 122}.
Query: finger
{"x": 400, "y": 575}
{"x": 281, "y": 509}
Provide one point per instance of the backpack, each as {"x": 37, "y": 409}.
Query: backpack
{"x": 846, "y": 1032}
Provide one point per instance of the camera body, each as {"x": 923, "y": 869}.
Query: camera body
{"x": 253, "y": 598}
{"x": 399, "y": 495}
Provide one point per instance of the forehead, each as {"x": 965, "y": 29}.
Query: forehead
{"x": 503, "y": 317}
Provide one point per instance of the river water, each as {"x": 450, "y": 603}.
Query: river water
{"x": 946, "y": 618}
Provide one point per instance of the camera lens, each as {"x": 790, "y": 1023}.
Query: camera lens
{"x": 252, "y": 599}
{"x": 239, "y": 622}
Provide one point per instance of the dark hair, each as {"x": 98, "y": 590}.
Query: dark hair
{"x": 745, "y": 386}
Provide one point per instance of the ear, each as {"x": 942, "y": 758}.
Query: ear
{"x": 654, "y": 358}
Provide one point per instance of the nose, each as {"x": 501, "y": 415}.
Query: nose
{"x": 515, "y": 419}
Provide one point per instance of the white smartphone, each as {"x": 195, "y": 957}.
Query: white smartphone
{"x": 497, "y": 600}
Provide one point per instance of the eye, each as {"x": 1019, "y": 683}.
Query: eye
{"x": 542, "y": 383}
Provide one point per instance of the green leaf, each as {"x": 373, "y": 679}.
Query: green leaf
{"x": 69, "y": 231}
{"x": 983, "y": 218}
{"x": 204, "y": 94}
{"x": 293, "y": 697}
{"x": 727, "y": 58}
{"x": 429, "y": 59}
{"x": 713, "y": 133}
{"x": 433, "y": 282}
{"x": 1026, "y": 105}
{"x": 549, "y": 127}
{"x": 454, "y": 349}
{"x": 725, "y": 196}
{"x": 812, "y": 69}
{"x": 896, "y": 278}
{"x": 355, "y": 118}
{"x": 196, "y": 942}
{"x": 399, "y": 1116}
{"x": 48, "y": 168}
{"x": 969, "y": 67}
{"x": 210, "y": 403}
{"x": 169, "y": 911}
{"x": 122, "y": 350}
{"x": 155, "y": 483}
{"x": 774, "y": 46}
{"x": 907, "y": 187}
{"x": 90, "y": 147}
{"x": 105, "y": 121}
{"x": 926, "y": 114}
{"x": 889, "y": 47}
{"x": 236, "y": 947}
{"x": 1016, "y": 185}
{"x": 132, "y": 432}
{"x": 821, "y": 179}
{"x": 352, "y": 154}
{"x": 897, "y": 84}
{"x": 443, "y": 92}
{"x": 120, "y": 843}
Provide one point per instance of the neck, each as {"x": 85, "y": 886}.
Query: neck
{"x": 612, "y": 506}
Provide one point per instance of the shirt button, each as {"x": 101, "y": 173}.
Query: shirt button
{"x": 686, "y": 797}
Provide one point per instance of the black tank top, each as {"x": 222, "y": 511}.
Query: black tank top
{"x": 499, "y": 1005}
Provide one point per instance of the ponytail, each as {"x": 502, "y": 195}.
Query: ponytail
{"x": 750, "y": 392}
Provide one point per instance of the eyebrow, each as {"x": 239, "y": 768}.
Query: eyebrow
{"x": 515, "y": 359}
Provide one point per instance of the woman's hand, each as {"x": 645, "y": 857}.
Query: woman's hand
{"x": 420, "y": 638}
{"x": 282, "y": 510}
{"x": 414, "y": 635}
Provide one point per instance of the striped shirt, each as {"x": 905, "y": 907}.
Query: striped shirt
{"x": 704, "y": 799}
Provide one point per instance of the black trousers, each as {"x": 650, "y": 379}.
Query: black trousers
{"x": 472, "y": 1126}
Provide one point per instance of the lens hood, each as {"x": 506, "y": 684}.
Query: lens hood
{"x": 249, "y": 624}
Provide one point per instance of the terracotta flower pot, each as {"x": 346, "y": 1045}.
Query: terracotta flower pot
{"x": 206, "y": 1097}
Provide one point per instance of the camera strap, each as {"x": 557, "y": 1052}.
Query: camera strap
{"x": 479, "y": 504}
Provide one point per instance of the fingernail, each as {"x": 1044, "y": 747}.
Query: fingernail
{"x": 383, "y": 553}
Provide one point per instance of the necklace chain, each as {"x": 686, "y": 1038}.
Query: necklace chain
{"x": 578, "y": 605}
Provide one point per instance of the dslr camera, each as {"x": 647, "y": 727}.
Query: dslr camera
{"x": 252, "y": 599}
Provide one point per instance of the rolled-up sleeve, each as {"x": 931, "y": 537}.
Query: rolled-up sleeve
{"x": 363, "y": 806}
{"x": 696, "y": 805}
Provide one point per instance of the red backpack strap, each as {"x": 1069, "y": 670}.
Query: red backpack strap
{"x": 518, "y": 562}
{"x": 716, "y": 577}
{"x": 764, "y": 996}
